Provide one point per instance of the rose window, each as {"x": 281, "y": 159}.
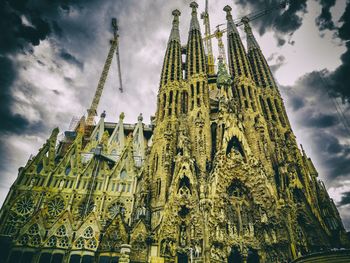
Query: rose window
{"x": 55, "y": 206}
{"x": 115, "y": 208}
{"x": 25, "y": 205}
{"x": 86, "y": 208}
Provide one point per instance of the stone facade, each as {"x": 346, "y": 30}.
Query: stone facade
{"x": 217, "y": 176}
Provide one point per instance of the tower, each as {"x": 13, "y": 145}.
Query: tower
{"x": 217, "y": 176}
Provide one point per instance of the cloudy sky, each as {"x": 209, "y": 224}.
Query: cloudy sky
{"x": 52, "y": 54}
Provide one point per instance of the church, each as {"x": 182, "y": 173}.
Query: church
{"x": 217, "y": 176}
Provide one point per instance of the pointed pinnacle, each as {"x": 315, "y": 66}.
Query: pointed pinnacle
{"x": 245, "y": 20}
{"x": 175, "y": 34}
{"x": 176, "y": 13}
{"x": 228, "y": 9}
{"x": 194, "y": 20}
{"x": 251, "y": 41}
{"x": 231, "y": 27}
{"x": 194, "y": 6}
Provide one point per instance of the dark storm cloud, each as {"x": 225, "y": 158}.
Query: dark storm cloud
{"x": 70, "y": 58}
{"x": 25, "y": 24}
{"x": 297, "y": 103}
{"x": 314, "y": 112}
{"x": 281, "y": 21}
{"x": 280, "y": 60}
{"x": 338, "y": 81}
{"x": 334, "y": 155}
{"x": 10, "y": 122}
{"x": 320, "y": 120}
{"x": 345, "y": 199}
{"x": 324, "y": 20}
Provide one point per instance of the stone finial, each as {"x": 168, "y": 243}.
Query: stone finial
{"x": 247, "y": 28}
{"x": 194, "y": 21}
{"x": 194, "y": 6}
{"x": 228, "y": 9}
{"x": 231, "y": 27}
{"x": 245, "y": 20}
{"x": 176, "y": 13}
{"x": 122, "y": 116}
{"x": 251, "y": 41}
{"x": 175, "y": 34}
{"x": 54, "y": 132}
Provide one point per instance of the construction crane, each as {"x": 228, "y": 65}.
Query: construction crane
{"x": 92, "y": 111}
{"x": 238, "y": 22}
{"x": 207, "y": 40}
{"x": 221, "y": 47}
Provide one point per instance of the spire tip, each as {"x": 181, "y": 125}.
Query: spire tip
{"x": 194, "y": 6}
{"x": 176, "y": 13}
{"x": 227, "y": 9}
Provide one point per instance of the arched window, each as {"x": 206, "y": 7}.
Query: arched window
{"x": 159, "y": 186}
{"x": 185, "y": 187}
{"x": 184, "y": 103}
{"x": 234, "y": 145}
{"x": 185, "y": 181}
{"x": 68, "y": 169}
{"x": 123, "y": 174}
{"x": 61, "y": 231}
{"x": 213, "y": 136}
{"x": 269, "y": 104}
{"x": 39, "y": 167}
{"x": 236, "y": 189}
{"x": 89, "y": 232}
{"x": 34, "y": 229}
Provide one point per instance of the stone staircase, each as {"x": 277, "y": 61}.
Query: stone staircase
{"x": 337, "y": 256}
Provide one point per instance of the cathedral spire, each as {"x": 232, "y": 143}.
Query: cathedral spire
{"x": 238, "y": 61}
{"x": 195, "y": 59}
{"x": 175, "y": 34}
{"x": 251, "y": 41}
{"x": 231, "y": 26}
{"x": 172, "y": 66}
{"x": 261, "y": 72}
{"x": 194, "y": 20}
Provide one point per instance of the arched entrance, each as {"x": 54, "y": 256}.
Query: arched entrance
{"x": 253, "y": 256}
{"x": 182, "y": 258}
{"x": 235, "y": 256}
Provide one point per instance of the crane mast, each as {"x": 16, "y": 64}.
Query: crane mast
{"x": 207, "y": 40}
{"x": 92, "y": 111}
{"x": 221, "y": 46}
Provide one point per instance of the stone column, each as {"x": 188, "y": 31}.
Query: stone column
{"x": 244, "y": 255}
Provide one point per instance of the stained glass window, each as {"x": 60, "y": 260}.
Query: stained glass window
{"x": 55, "y": 206}
{"x": 25, "y": 205}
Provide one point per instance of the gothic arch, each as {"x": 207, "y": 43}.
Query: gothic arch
{"x": 231, "y": 132}
{"x": 184, "y": 175}
{"x": 234, "y": 146}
